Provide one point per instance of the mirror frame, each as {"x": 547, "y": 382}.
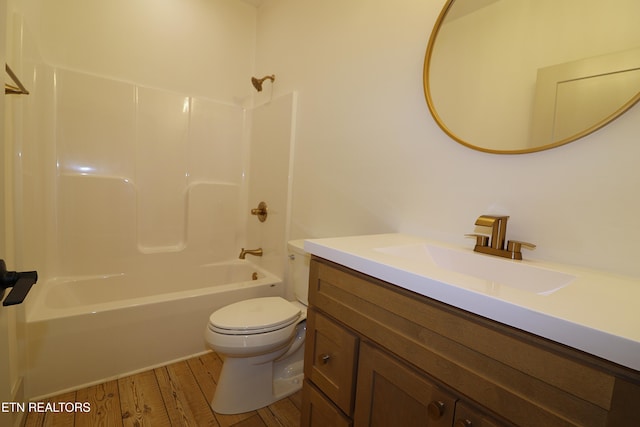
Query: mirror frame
{"x": 427, "y": 92}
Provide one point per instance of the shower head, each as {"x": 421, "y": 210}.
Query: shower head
{"x": 257, "y": 83}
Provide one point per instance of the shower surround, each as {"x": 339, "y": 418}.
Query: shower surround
{"x": 138, "y": 180}
{"x": 131, "y": 160}
{"x": 150, "y": 189}
{"x": 141, "y": 171}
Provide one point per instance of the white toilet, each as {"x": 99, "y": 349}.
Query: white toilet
{"x": 261, "y": 342}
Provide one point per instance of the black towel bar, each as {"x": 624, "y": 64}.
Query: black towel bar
{"x": 21, "y": 283}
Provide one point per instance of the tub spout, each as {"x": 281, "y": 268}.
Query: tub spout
{"x": 244, "y": 252}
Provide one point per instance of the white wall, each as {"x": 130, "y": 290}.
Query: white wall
{"x": 202, "y": 47}
{"x": 369, "y": 157}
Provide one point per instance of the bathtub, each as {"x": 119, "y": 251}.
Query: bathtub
{"x": 83, "y": 331}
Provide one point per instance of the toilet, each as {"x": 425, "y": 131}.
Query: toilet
{"x": 261, "y": 341}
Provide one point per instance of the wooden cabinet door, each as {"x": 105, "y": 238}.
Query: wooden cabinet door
{"x": 319, "y": 411}
{"x": 330, "y": 359}
{"x": 392, "y": 393}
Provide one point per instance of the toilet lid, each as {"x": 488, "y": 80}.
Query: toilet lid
{"x": 256, "y": 315}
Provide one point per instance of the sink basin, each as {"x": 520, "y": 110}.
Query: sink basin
{"x": 497, "y": 271}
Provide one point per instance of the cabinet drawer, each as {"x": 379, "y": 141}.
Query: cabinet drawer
{"x": 318, "y": 411}
{"x": 330, "y": 359}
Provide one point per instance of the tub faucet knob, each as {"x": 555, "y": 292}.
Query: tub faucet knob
{"x": 261, "y": 211}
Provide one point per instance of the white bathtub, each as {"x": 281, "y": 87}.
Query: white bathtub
{"x": 82, "y": 331}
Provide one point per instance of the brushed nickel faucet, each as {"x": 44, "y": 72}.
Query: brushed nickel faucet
{"x": 244, "y": 252}
{"x": 494, "y": 244}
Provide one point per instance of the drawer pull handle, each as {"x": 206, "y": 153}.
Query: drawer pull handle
{"x": 436, "y": 409}
{"x": 324, "y": 358}
{"x": 464, "y": 423}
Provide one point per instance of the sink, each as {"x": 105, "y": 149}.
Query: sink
{"x": 497, "y": 271}
{"x": 590, "y": 310}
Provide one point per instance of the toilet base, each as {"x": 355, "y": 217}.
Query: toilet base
{"x": 289, "y": 381}
{"x": 250, "y": 383}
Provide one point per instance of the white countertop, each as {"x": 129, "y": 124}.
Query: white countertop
{"x": 596, "y": 312}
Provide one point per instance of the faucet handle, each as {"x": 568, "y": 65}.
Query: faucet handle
{"x": 481, "y": 239}
{"x": 515, "y": 246}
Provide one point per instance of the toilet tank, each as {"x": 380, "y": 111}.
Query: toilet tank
{"x": 299, "y": 270}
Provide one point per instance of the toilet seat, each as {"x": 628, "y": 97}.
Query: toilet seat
{"x": 254, "y": 316}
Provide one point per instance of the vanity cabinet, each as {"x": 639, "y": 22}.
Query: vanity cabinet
{"x": 379, "y": 355}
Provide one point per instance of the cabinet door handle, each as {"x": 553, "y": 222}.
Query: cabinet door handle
{"x": 463, "y": 423}
{"x": 436, "y": 409}
{"x": 324, "y": 358}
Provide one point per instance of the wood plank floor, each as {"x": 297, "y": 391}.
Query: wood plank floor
{"x": 174, "y": 395}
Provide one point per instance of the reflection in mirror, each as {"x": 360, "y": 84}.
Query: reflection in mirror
{"x": 516, "y": 76}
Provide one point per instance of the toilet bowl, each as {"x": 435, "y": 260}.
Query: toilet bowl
{"x": 261, "y": 341}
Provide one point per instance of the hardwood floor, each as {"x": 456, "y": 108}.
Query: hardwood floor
{"x": 174, "y": 395}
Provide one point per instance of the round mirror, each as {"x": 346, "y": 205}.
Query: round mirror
{"x": 517, "y": 76}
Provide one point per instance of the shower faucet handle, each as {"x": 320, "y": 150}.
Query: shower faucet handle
{"x": 261, "y": 211}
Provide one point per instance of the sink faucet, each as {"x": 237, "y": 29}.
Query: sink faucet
{"x": 244, "y": 252}
{"x": 494, "y": 245}
{"x": 498, "y": 226}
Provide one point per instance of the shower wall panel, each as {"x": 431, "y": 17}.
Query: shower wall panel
{"x": 95, "y": 126}
{"x": 96, "y": 224}
{"x": 213, "y": 221}
{"x": 161, "y": 169}
{"x": 214, "y": 147}
{"x": 143, "y": 171}
{"x": 270, "y": 178}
